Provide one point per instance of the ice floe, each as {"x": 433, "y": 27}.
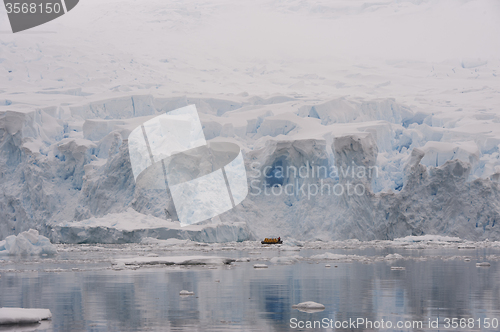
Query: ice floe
{"x": 10, "y": 316}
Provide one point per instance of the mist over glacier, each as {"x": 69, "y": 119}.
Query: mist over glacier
{"x": 339, "y": 86}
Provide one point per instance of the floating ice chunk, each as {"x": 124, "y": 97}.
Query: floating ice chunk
{"x": 327, "y": 265}
{"x": 27, "y": 243}
{"x": 243, "y": 259}
{"x": 23, "y": 316}
{"x": 393, "y": 257}
{"x": 260, "y": 266}
{"x": 119, "y": 266}
{"x": 328, "y": 255}
{"x": 483, "y": 264}
{"x": 309, "y": 306}
{"x": 185, "y": 293}
{"x": 398, "y": 268}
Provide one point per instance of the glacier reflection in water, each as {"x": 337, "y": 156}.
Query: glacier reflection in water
{"x": 241, "y": 298}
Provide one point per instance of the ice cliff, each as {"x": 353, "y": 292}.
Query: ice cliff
{"x": 339, "y": 169}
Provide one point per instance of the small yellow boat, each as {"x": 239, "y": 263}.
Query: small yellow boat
{"x": 272, "y": 241}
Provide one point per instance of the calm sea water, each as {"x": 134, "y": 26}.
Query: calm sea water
{"x": 241, "y": 298}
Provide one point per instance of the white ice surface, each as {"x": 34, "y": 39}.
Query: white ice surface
{"x": 23, "y": 316}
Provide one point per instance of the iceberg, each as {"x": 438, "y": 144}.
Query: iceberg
{"x": 28, "y": 243}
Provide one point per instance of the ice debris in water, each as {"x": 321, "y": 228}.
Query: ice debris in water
{"x": 393, "y": 257}
{"x": 260, "y": 266}
{"x": 173, "y": 260}
{"x": 185, "y": 292}
{"x": 309, "y": 306}
{"x": 483, "y": 264}
{"x": 243, "y": 259}
{"x": 27, "y": 243}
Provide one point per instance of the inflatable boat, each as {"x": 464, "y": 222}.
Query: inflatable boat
{"x": 272, "y": 241}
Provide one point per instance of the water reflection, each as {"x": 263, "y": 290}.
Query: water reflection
{"x": 248, "y": 299}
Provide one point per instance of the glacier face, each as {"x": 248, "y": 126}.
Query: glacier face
{"x": 333, "y": 170}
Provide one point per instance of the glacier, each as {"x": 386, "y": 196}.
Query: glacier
{"x": 66, "y": 172}
{"x": 342, "y": 94}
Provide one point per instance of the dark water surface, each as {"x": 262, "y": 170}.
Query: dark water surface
{"x": 241, "y": 298}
